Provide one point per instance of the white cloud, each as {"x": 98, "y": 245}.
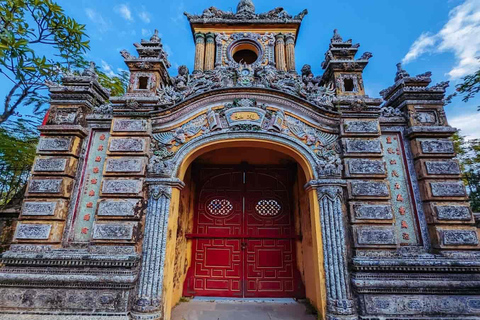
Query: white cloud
{"x": 101, "y": 23}
{"x": 107, "y": 69}
{"x": 146, "y": 32}
{"x": 423, "y": 44}
{"x": 468, "y": 124}
{"x": 144, "y": 16}
{"x": 124, "y": 11}
{"x": 179, "y": 16}
{"x": 460, "y": 35}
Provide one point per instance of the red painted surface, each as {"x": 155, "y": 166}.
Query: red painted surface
{"x": 243, "y": 247}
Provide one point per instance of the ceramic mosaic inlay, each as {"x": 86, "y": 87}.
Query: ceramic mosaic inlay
{"x": 85, "y": 211}
{"x": 400, "y": 190}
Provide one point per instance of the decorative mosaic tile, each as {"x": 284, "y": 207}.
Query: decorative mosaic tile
{"x": 85, "y": 212}
{"x": 405, "y": 220}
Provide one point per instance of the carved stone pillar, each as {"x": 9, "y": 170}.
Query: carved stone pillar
{"x": 148, "y": 302}
{"x": 199, "y": 51}
{"x": 340, "y": 304}
{"x": 209, "y": 51}
{"x": 280, "y": 52}
{"x": 290, "y": 51}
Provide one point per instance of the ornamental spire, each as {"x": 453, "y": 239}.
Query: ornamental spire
{"x": 245, "y": 6}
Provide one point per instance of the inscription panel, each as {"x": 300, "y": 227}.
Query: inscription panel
{"x": 122, "y": 186}
{"x": 400, "y": 188}
{"x": 368, "y": 189}
{"x": 371, "y": 211}
{"x": 448, "y": 189}
{"x": 93, "y": 175}
{"x": 458, "y": 237}
{"x": 126, "y": 165}
{"x": 361, "y": 126}
{"x": 361, "y": 146}
{"x": 129, "y": 125}
{"x": 453, "y": 212}
{"x": 447, "y": 167}
{"x": 128, "y": 145}
{"x": 436, "y": 146}
{"x": 367, "y": 236}
{"x": 363, "y": 167}
{"x": 118, "y": 207}
{"x": 32, "y": 231}
{"x": 118, "y": 231}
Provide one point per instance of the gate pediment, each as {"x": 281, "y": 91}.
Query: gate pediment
{"x": 231, "y": 116}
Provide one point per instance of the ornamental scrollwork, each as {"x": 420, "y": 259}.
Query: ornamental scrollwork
{"x": 305, "y": 86}
{"x": 250, "y": 116}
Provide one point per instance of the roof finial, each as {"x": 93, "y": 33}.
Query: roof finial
{"x": 336, "y": 36}
{"x": 245, "y": 6}
{"x": 155, "y": 37}
{"x": 401, "y": 73}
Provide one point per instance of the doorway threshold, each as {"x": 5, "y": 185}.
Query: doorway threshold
{"x": 245, "y": 300}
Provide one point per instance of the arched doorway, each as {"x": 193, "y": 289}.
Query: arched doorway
{"x": 243, "y": 239}
{"x": 245, "y": 247}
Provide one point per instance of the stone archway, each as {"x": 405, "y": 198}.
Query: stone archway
{"x": 331, "y": 280}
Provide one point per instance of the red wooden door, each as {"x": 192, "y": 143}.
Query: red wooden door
{"x": 243, "y": 235}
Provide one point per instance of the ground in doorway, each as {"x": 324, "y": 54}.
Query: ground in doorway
{"x": 245, "y": 309}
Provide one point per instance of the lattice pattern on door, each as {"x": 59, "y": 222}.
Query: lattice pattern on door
{"x": 219, "y": 207}
{"x": 268, "y": 208}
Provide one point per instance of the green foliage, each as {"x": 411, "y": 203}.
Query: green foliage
{"x": 28, "y": 28}
{"x": 116, "y": 84}
{"x": 18, "y": 140}
{"x": 468, "y": 89}
{"x": 468, "y": 154}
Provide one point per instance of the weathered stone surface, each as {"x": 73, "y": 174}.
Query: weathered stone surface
{"x": 437, "y": 146}
{"x": 125, "y": 165}
{"x": 428, "y": 117}
{"x": 129, "y": 125}
{"x": 128, "y": 145}
{"x": 370, "y": 146}
{"x": 372, "y": 211}
{"x": 425, "y": 305}
{"x": 110, "y": 231}
{"x": 442, "y": 167}
{"x": 367, "y": 235}
{"x": 448, "y": 189}
{"x": 118, "y": 207}
{"x": 361, "y": 126}
{"x": 122, "y": 186}
{"x": 369, "y": 189}
{"x": 452, "y": 212}
{"x": 50, "y": 164}
{"x": 455, "y": 237}
{"x": 66, "y": 299}
{"x": 45, "y": 186}
{"x": 54, "y": 144}
{"x": 39, "y": 208}
{"x": 33, "y": 231}
{"x": 365, "y": 166}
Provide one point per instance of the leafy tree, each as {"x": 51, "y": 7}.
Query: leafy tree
{"x": 468, "y": 154}
{"x": 468, "y": 89}
{"x": 18, "y": 140}
{"x": 29, "y": 28}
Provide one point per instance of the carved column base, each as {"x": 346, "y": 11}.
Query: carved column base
{"x": 341, "y": 309}
{"x": 146, "y": 305}
{"x": 146, "y": 316}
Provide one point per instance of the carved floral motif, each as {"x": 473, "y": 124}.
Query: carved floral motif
{"x": 246, "y": 115}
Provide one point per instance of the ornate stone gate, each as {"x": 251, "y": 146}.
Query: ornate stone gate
{"x": 391, "y": 233}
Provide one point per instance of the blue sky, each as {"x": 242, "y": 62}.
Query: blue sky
{"x": 442, "y": 36}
